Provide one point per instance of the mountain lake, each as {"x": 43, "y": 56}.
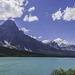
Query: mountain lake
{"x": 33, "y": 65}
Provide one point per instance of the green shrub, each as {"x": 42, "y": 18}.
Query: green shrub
{"x": 62, "y": 72}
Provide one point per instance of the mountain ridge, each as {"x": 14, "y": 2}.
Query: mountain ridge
{"x": 11, "y": 33}
{"x": 12, "y": 37}
{"x": 62, "y": 46}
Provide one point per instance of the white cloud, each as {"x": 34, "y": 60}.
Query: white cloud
{"x": 57, "y": 15}
{"x": 25, "y": 30}
{"x": 60, "y": 41}
{"x": 45, "y": 41}
{"x": 40, "y": 37}
{"x": 68, "y": 14}
{"x": 33, "y": 36}
{"x": 31, "y": 9}
{"x": 26, "y": 3}
{"x": 11, "y": 9}
{"x": 30, "y": 18}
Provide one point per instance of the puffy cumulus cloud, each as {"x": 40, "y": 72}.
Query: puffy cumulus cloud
{"x": 60, "y": 41}
{"x": 57, "y": 15}
{"x": 68, "y": 14}
{"x": 31, "y": 9}
{"x": 40, "y": 37}
{"x": 11, "y": 9}
{"x": 45, "y": 41}
{"x": 26, "y": 2}
{"x": 25, "y": 30}
{"x": 30, "y": 18}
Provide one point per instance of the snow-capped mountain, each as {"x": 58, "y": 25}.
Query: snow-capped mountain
{"x": 62, "y": 46}
{"x": 54, "y": 44}
{"x": 67, "y": 47}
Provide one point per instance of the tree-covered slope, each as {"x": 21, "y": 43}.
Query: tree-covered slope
{"x": 6, "y": 52}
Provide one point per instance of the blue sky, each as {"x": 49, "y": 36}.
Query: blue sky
{"x": 43, "y": 26}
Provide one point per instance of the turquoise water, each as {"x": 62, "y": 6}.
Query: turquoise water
{"x": 33, "y": 65}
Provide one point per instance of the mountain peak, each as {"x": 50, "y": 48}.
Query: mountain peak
{"x": 54, "y": 44}
{"x": 9, "y": 23}
{"x": 63, "y": 45}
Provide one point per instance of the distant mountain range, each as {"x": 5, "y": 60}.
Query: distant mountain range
{"x": 62, "y": 46}
{"x": 13, "y": 38}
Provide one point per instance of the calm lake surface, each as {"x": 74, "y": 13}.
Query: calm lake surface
{"x": 33, "y": 65}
